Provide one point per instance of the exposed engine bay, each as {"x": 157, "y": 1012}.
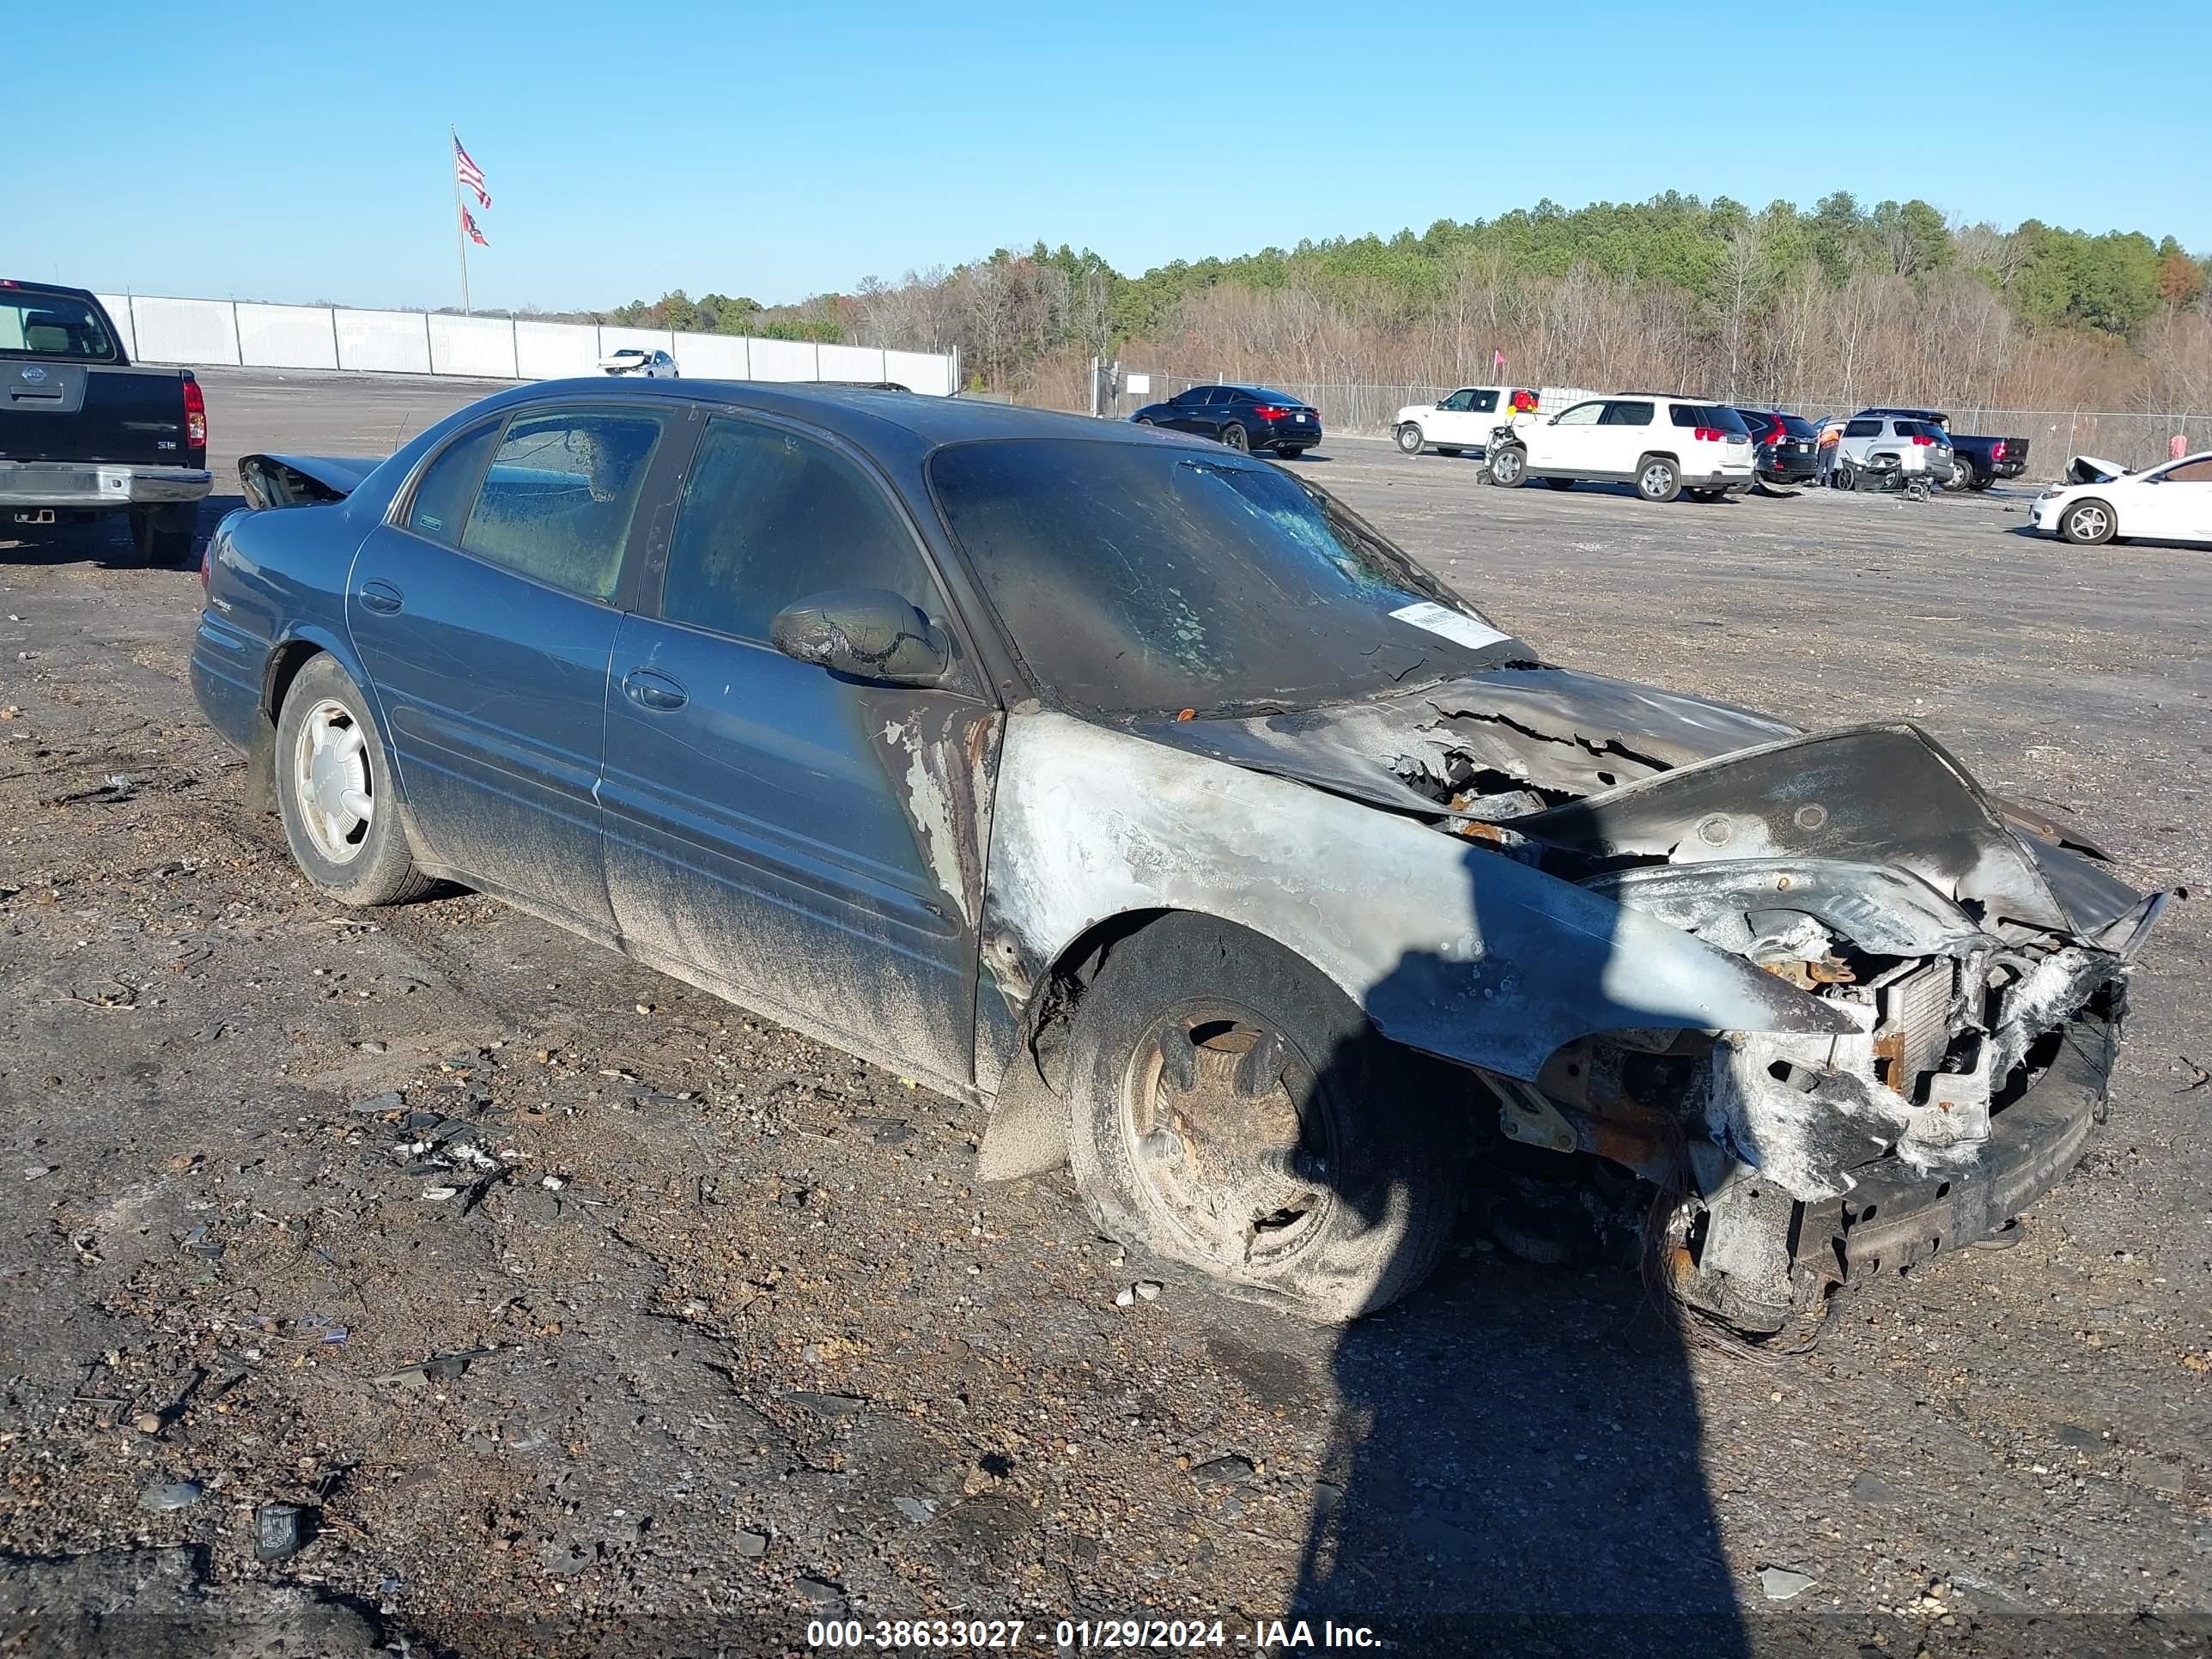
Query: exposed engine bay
{"x": 1965, "y": 940}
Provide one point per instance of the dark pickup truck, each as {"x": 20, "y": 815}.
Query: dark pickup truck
{"x": 84, "y": 432}
{"x": 1976, "y": 463}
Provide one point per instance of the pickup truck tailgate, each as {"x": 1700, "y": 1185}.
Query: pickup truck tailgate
{"x": 60, "y": 411}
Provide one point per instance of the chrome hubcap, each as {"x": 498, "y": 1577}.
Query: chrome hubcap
{"x": 331, "y": 781}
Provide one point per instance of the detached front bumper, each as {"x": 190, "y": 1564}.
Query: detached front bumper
{"x": 1755, "y": 1256}
{"x": 99, "y": 486}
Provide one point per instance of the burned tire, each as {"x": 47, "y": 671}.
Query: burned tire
{"x": 335, "y": 793}
{"x": 1230, "y": 1109}
{"x": 2088, "y": 523}
{"x": 1657, "y": 478}
{"x": 1410, "y": 439}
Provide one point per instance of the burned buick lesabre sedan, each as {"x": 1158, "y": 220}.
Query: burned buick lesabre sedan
{"x": 1145, "y": 795}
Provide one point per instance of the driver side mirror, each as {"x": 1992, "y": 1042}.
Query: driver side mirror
{"x": 867, "y": 633}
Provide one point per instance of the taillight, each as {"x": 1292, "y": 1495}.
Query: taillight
{"x": 1270, "y": 411}
{"x": 1996, "y": 450}
{"x": 195, "y": 415}
{"x": 207, "y": 560}
{"x": 1711, "y": 435}
{"x": 1922, "y": 443}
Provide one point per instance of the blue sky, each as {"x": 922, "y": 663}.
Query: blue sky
{"x": 298, "y": 153}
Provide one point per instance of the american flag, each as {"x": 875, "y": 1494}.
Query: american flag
{"x": 469, "y": 173}
{"x": 469, "y": 224}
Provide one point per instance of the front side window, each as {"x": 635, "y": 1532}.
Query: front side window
{"x": 34, "y": 324}
{"x": 1581, "y": 414}
{"x": 769, "y": 518}
{"x": 1459, "y": 401}
{"x": 1626, "y": 414}
{"x": 1863, "y": 429}
{"x": 558, "y": 501}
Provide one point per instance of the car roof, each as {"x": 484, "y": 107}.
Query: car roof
{"x": 862, "y": 414}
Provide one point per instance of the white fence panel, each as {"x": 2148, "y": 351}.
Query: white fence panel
{"x": 118, "y": 307}
{"x": 783, "y": 360}
{"x": 286, "y": 337}
{"x": 185, "y": 331}
{"x": 921, "y": 371}
{"x": 713, "y": 356}
{"x": 612, "y": 340}
{"x": 844, "y": 362}
{"x": 479, "y": 346}
{"x": 554, "y": 351}
{"x": 393, "y": 342}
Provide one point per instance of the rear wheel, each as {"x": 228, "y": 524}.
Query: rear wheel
{"x": 1410, "y": 439}
{"x": 1447, "y": 449}
{"x": 1233, "y": 436}
{"x": 1232, "y": 1109}
{"x": 161, "y": 536}
{"x": 1980, "y": 484}
{"x": 334, "y": 792}
{"x": 1509, "y": 465}
{"x": 1962, "y": 478}
{"x": 2088, "y": 523}
{"x": 1656, "y": 479}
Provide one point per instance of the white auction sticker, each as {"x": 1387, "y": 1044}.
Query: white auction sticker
{"x": 1453, "y": 625}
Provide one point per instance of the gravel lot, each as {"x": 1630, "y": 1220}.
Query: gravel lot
{"x": 748, "y": 1348}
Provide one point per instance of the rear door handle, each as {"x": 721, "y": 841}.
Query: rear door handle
{"x": 379, "y": 596}
{"x": 650, "y": 690}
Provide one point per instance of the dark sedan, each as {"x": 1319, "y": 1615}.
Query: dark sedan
{"x": 1144, "y": 794}
{"x": 1785, "y": 447}
{"x": 1241, "y": 416}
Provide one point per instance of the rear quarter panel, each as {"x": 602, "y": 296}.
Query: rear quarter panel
{"x": 274, "y": 577}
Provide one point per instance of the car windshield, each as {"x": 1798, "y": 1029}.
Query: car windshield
{"x": 34, "y": 325}
{"x": 1147, "y": 579}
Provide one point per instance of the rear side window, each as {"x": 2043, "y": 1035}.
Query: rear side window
{"x": 2191, "y": 472}
{"x": 557, "y": 500}
{"x": 1483, "y": 402}
{"x": 1710, "y": 415}
{"x": 1863, "y": 429}
{"x": 34, "y": 325}
{"x": 448, "y": 485}
{"x": 1626, "y": 414}
{"x": 770, "y": 517}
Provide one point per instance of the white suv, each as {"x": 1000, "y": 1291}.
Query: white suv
{"x": 1664, "y": 444}
{"x": 1465, "y": 420}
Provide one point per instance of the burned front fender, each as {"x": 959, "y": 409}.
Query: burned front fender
{"x": 1451, "y": 947}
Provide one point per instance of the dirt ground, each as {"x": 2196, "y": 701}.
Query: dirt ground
{"x": 577, "y": 1312}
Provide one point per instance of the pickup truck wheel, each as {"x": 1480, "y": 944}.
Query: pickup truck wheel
{"x": 1981, "y": 483}
{"x": 1656, "y": 480}
{"x": 1410, "y": 439}
{"x": 335, "y": 794}
{"x": 157, "y": 539}
{"x": 1962, "y": 478}
{"x": 2087, "y": 523}
{"x": 1509, "y": 465}
{"x": 1231, "y": 1109}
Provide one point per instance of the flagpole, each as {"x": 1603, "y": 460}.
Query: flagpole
{"x": 460, "y": 237}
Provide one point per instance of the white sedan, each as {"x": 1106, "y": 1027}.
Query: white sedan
{"x": 2172, "y": 502}
{"x": 634, "y": 360}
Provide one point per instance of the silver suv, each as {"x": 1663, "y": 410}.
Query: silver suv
{"x": 1891, "y": 443}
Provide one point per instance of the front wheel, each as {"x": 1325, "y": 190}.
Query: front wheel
{"x": 1509, "y": 465}
{"x": 1656, "y": 480}
{"x": 1560, "y": 483}
{"x": 1230, "y": 1107}
{"x": 1845, "y": 476}
{"x": 1233, "y": 436}
{"x": 334, "y": 793}
{"x": 2088, "y": 523}
{"x": 1410, "y": 439}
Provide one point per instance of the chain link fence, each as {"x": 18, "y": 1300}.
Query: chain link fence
{"x": 2135, "y": 439}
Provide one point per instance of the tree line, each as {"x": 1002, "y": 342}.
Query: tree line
{"x": 1843, "y": 302}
